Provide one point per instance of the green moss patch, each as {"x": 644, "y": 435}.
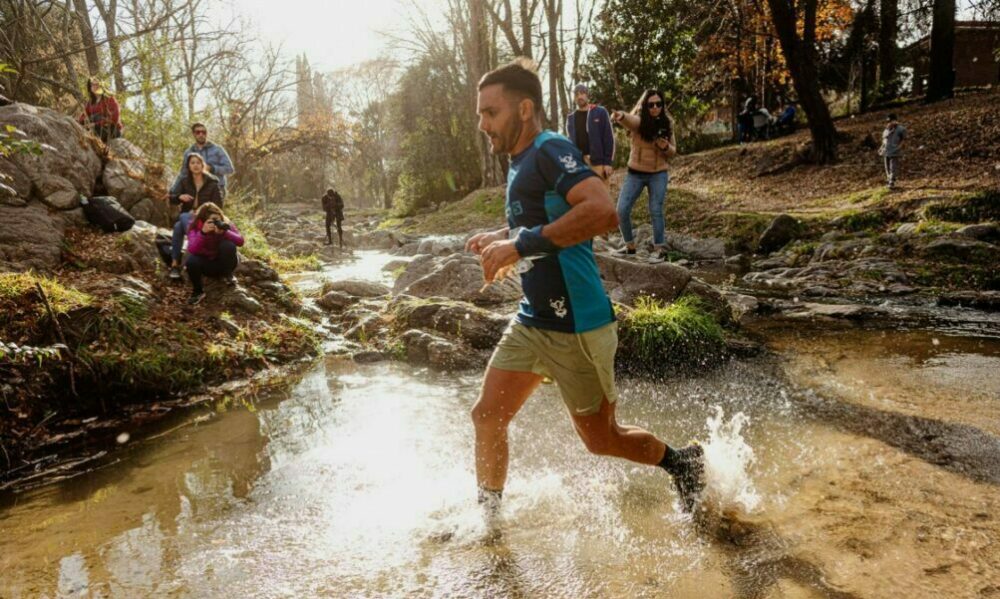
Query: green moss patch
{"x": 657, "y": 339}
{"x": 971, "y": 208}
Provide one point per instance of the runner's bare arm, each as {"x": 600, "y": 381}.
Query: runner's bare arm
{"x": 592, "y": 214}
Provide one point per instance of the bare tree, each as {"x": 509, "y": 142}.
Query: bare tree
{"x": 800, "y": 55}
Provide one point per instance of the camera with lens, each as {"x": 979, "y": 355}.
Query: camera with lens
{"x": 220, "y": 224}
{"x": 663, "y": 133}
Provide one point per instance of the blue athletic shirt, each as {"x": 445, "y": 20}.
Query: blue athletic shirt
{"x": 562, "y": 292}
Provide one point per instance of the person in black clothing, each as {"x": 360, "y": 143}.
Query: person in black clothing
{"x": 333, "y": 205}
{"x": 745, "y": 119}
{"x": 198, "y": 188}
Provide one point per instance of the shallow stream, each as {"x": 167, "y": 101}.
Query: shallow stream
{"x": 848, "y": 464}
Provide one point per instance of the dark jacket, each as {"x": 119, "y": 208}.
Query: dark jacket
{"x": 602, "y": 140}
{"x": 335, "y": 204}
{"x": 209, "y": 192}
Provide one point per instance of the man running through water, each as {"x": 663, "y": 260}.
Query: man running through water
{"x": 565, "y": 328}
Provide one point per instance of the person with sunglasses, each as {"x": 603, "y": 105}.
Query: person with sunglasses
{"x": 652, "y": 137}
{"x": 215, "y": 157}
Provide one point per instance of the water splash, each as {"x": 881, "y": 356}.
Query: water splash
{"x": 728, "y": 458}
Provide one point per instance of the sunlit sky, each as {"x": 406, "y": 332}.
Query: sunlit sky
{"x": 332, "y": 33}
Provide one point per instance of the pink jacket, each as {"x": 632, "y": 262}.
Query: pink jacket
{"x": 207, "y": 245}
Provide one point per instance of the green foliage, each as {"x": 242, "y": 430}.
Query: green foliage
{"x": 855, "y": 220}
{"x": 14, "y": 141}
{"x": 936, "y": 227}
{"x": 970, "y": 208}
{"x": 481, "y": 208}
{"x": 14, "y": 286}
{"x": 435, "y": 118}
{"x": 244, "y": 211}
{"x": 642, "y": 44}
{"x": 658, "y": 338}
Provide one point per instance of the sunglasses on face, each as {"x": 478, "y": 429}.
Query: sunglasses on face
{"x": 201, "y": 132}
{"x": 654, "y": 104}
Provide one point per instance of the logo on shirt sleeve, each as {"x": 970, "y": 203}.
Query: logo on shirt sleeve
{"x": 569, "y": 163}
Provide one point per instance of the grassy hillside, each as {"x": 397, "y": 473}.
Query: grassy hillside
{"x": 950, "y": 174}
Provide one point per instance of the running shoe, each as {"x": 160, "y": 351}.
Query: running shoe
{"x": 175, "y": 273}
{"x": 689, "y": 475}
{"x": 625, "y": 251}
{"x": 196, "y": 298}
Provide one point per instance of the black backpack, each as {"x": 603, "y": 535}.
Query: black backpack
{"x": 108, "y": 214}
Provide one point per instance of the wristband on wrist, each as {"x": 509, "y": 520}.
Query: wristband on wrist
{"x": 531, "y": 242}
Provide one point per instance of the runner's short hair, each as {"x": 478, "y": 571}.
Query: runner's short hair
{"x": 196, "y": 125}
{"x": 520, "y": 77}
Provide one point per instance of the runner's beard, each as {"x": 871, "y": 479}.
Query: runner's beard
{"x": 511, "y": 141}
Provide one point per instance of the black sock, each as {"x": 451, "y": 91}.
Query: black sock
{"x": 670, "y": 460}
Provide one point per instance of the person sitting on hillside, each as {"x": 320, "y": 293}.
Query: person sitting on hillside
{"x": 101, "y": 115}
{"x": 214, "y": 155}
{"x": 786, "y": 121}
{"x": 333, "y": 206}
{"x": 212, "y": 243}
{"x": 198, "y": 188}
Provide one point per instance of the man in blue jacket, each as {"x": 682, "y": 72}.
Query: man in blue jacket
{"x": 215, "y": 157}
{"x": 589, "y": 127}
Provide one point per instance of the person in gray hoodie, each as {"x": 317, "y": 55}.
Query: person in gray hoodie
{"x": 891, "y": 150}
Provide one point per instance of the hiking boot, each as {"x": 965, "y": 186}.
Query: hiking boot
{"x": 196, "y": 298}
{"x": 624, "y": 252}
{"x": 175, "y": 273}
{"x": 229, "y": 280}
{"x": 689, "y": 475}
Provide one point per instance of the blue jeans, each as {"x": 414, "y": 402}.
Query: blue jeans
{"x": 177, "y": 240}
{"x": 632, "y": 188}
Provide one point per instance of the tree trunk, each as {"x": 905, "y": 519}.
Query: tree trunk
{"x": 552, "y": 10}
{"x": 87, "y": 37}
{"x": 941, "y": 82}
{"x": 109, "y": 14}
{"x": 887, "y": 30}
{"x": 800, "y": 56}
{"x": 527, "y": 15}
{"x": 480, "y": 60}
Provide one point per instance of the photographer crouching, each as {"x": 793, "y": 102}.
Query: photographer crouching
{"x": 212, "y": 243}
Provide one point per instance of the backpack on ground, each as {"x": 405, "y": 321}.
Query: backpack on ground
{"x": 108, "y": 214}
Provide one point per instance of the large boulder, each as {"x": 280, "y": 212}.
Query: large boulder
{"x": 152, "y": 211}
{"x": 440, "y": 246}
{"x": 422, "y": 348}
{"x": 15, "y": 184}
{"x": 356, "y": 288}
{"x": 628, "y": 280}
{"x": 475, "y": 326}
{"x": 960, "y": 248}
{"x": 782, "y": 229}
{"x": 989, "y": 232}
{"x": 29, "y": 237}
{"x": 68, "y": 165}
{"x": 710, "y": 248}
{"x": 124, "y": 173}
{"x": 139, "y": 246}
{"x": 459, "y": 277}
